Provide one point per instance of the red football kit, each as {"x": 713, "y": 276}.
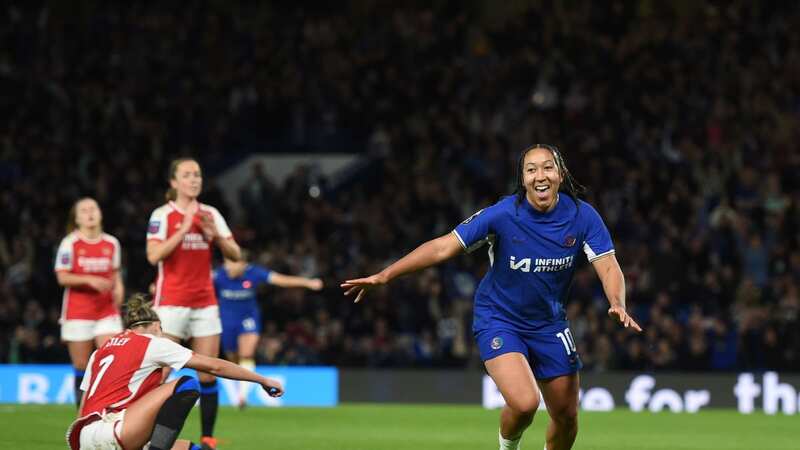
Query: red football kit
{"x": 184, "y": 277}
{"x": 79, "y": 255}
{"x": 124, "y": 369}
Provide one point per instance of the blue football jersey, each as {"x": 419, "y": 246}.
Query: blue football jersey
{"x": 532, "y": 259}
{"x": 236, "y": 291}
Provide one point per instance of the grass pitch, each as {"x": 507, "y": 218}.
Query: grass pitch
{"x": 420, "y": 427}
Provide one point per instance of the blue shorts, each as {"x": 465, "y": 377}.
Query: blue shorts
{"x": 550, "y": 353}
{"x": 236, "y": 322}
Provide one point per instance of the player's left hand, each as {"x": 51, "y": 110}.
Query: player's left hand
{"x": 623, "y": 317}
{"x": 207, "y": 225}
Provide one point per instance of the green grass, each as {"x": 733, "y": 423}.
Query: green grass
{"x": 421, "y": 427}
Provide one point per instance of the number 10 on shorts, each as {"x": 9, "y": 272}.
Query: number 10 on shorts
{"x": 567, "y": 340}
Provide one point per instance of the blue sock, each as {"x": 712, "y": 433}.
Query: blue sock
{"x": 78, "y": 379}
{"x": 173, "y": 412}
{"x": 209, "y": 402}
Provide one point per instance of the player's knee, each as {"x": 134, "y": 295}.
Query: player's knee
{"x": 525, "y": 405}
{"x": 206, "y": 377}
{"x": 188, "y": 385}
{"x": 567, "y": 418}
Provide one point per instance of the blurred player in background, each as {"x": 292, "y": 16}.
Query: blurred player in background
{"x": 87, "y": 265}
{"x": 237, "y": 283}
{"x": 520, "y": 320}
{"x": 180, "y": 236}
{"x": 124, "y": 403}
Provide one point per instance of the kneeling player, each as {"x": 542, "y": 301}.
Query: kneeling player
{"x": 125, "y": 403}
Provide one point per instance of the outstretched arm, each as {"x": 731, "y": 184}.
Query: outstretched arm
{"x": 428, "y": 254}
{"x": 289, "y": 281}
{"x": 227, "y": 369}
{"x": 613, "y": 281}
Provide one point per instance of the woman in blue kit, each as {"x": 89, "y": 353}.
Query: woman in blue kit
{"x": 236, "y": 284}
{"x": 520, "y": 323}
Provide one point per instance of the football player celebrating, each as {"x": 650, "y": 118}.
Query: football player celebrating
{"x": 520, "y": 320}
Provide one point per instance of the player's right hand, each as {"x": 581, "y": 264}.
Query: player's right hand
{"x": 315, "y": 284}
{"x": 273, "y": 387}
{"x": 99, "y": 284}
{"x": 362, "y": 285}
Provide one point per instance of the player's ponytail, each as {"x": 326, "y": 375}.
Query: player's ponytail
{"x": 73, "y": 214}
{"x": 171, "y": 195}
{"x": 138, "y": 311}
{"x": 569, "y": 185}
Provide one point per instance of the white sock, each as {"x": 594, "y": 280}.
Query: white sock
{"x": 244, "y": 386}
{"x": 508, "y": 444}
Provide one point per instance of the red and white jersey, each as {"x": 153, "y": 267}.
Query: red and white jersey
{"x": 127, "y": 367}
{"x": 123, "y": 370}
{"x": 83, "y": 256}
{"x": 184, "y": 277}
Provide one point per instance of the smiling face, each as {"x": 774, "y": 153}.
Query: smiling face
{"x": 541, "y": 177}
{"x": 88, "y": 215}
{"x": 187, "y": 179}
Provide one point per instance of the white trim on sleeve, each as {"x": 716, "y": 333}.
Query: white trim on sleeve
{"x": 460, "y": 241}
{"x": 592, "y": 256}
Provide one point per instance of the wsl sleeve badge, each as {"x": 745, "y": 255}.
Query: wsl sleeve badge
{"x": 153, "y": 227}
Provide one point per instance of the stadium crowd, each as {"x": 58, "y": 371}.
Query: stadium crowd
{"x": 681, "y": 119}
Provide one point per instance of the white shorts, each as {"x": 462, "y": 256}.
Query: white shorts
{"x": 86, "y": 330}
{"x": 184, "y": 322}
{"x": 103, "y": 434}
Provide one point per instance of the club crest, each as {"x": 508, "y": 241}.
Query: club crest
{"x": 497, "y": 342}
{"x": 569, "y": 241}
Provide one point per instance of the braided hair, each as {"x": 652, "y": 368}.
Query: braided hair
{"x": 139, "y": 311}
{"x": 569, "y": 185}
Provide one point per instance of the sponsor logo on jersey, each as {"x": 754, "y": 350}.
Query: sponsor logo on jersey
{"x": 541, "y": 264}
{"x": 235, "y": 294}
{"x": 153, "y": 227}
{"x": 497, "y": 342}
{"x": 523, "y": 264}
{"x": 194, "y": 241}
{"x": 94, "y": 264}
